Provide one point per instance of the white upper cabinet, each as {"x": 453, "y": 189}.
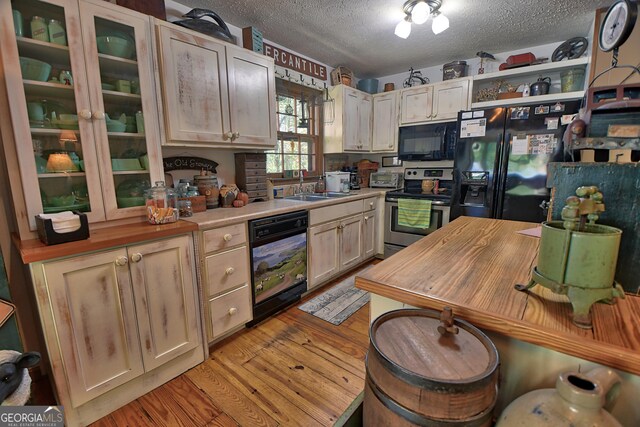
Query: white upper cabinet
{"x": 350, "y": 129}
{"x": 385, "y": 122}
{"x": 436, "y": 102}
{"x": 214, "y": 94}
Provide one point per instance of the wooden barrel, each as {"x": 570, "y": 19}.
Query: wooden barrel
{"x": 417, "y": 375}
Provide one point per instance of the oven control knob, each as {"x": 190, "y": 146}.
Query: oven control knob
{"x": 227, "y": 237}
{"x": 298, "y": 223}
{"x": 415, "y": 173}
{"x": 232, "y": 311}
{"x": 229, "y": 271}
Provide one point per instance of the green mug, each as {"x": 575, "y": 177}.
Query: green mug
{"x": 37, "y": 111}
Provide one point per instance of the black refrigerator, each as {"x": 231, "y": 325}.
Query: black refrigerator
{"x": 501, "y": 158}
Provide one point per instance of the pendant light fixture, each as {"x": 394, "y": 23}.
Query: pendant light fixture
{"x": 418, "y": 12}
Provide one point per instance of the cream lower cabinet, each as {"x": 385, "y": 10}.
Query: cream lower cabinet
{"x": 369, "y": 238}
{"x": 340, "y": 237}
{"x": 226, "y": 279}
{"x": 118, "y": 323}
{"x": 214, "y": 93}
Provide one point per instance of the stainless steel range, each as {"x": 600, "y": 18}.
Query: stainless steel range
{"x": 417, "y": 182}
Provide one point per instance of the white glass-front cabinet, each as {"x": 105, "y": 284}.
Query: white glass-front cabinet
{"x": 82, "y": 106}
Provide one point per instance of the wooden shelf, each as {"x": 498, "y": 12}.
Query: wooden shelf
{"x": 50, "y": 90}
{"x": 117, "y": 97}
{"x": 125, "y": 135}
{"x": 51, "y": 131}
{"x": 540, "y": 99}
{"x": 60, "y": 174}
{"x": 136, "y": 172}
{"x": 534, "y": 69}
{"x": 50, "y": 53}
{"x": 115, "y": 66}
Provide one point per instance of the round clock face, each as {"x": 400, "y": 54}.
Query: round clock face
{"x": 617, "y": 24}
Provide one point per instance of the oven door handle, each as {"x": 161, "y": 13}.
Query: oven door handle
{"x": 433, "y": 202}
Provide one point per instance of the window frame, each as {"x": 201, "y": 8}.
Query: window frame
{"x": 289, "y": 89}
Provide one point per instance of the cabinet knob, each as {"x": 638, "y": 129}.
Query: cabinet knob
{"x": 227, "y": 237}
{"x": 236, "y": 135}
{"x": 122, "y": 261}
{"x": 232, "y": 311}
{"x": 85, "y": 114}
{"x": 98, "y": 115}
{"x": 137, "y": 257}
{"x": 228, "y": 135}
{"x": 435, "y": 115}
{"x": 340, "y": 227}
{"x": 370, "y": 204}
{"x": 366, "y": 218}
{"x": 229, "y": 271}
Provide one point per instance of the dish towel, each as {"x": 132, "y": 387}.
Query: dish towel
{"x": 414, "y": 213}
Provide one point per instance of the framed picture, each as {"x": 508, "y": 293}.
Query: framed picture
{"x": 391, "y": 161}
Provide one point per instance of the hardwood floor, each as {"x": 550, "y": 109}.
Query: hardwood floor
{"x": 291, "y": 370}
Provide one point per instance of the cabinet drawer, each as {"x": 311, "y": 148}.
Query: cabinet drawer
{"x": 226, "y": 270}
{"x": 224, "y": 237}
{"x": 370, "y": 204}
{"x": 255, "y": 187}
{"x": 256, "y": 179}
{"x": 230, "y": 310}
{"x": 256, "y": 172}
{"x": 256, "y": 165}
{"x": 329, "y": 213}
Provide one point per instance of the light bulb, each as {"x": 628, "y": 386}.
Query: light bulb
{"x": 420, "y": 13}
{"x": 440, "y": 23}
{"x": 403, "y": 29}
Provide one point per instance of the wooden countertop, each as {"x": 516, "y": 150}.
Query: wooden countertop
{"x": 472, "y": 264}
{"x": 34, "y": 250}
{"x": 103, "y": 238}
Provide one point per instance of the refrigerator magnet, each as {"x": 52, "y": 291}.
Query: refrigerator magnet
{"x": 557, "y": 107}
{"x": 551, "y": 122}
{"x": 520, "y": 113}
{"x": 567, "y": 118}
{"x": 542, "y": 109}
{"x": 520, "y": 145}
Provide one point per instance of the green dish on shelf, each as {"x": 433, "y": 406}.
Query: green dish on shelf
{"x": 74, "y": 207}
{"x": 130, "y": 202}
{"x": 115, "y": 46}
{"x": 126, "y": 165}
{"x": 108, "y": 86}
{"x": 33, "y": 69}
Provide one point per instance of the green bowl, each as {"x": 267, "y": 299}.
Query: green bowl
{"x": 116, "y": 126}
{"x": 115, "y": 46}
{"x": 32, "y": 69}
{"x": 129, "y": 202}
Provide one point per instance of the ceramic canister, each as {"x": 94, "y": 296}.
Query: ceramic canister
{"x": 208, "y": 187}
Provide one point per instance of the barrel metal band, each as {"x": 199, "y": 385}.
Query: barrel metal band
{"x": 421, "y": 420}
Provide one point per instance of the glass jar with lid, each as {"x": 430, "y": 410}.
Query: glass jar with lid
{"x": 39, "y": 29}
{"x": 162, "y": 204}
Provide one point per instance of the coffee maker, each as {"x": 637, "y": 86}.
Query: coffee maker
{"x": 354, "y": 183}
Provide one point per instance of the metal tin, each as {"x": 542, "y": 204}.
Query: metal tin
{"x": 453, "y": 70}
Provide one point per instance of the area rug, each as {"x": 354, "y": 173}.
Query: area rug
{"x": 338, "y": 303}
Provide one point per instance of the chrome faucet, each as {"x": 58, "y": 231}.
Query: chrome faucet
{"x": 301, "y": 190}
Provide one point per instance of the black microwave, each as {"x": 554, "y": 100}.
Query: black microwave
{"x": 428, "y": 142}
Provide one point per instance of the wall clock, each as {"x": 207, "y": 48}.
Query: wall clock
{"x": 617, "y": 24}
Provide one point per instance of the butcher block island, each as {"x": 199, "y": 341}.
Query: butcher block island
{"x": 472, "y": 265}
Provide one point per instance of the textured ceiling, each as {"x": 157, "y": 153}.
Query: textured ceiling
{"x": 359, "y": 33}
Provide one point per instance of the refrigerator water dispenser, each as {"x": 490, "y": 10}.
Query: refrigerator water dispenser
{"x": 473, "y": 188}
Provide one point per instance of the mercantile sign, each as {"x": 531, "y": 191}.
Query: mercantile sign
{"x": 286, "y": 59}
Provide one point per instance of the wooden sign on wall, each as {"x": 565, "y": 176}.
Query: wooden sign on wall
{"x": 189, "y": 163}
{"x": 286, "y": 59}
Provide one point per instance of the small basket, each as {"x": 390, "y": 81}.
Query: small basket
{"x": 342, "y": 75}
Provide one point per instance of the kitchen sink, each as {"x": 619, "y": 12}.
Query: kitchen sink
{"x": 335, "y": 194}
{"x": 307, "y": 197}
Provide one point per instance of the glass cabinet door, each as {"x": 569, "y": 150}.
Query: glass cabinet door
{"x": 50, "y": 111}
{"x": 119, "y": 68}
